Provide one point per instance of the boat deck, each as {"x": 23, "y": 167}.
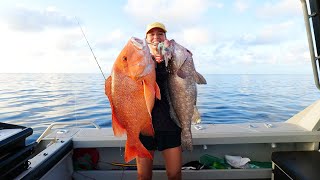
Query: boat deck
{"x": 256, "y": 141}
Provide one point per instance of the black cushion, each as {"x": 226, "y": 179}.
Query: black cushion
{"x": 304, "y": 165}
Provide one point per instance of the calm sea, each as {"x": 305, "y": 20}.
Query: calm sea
{"x": 37, "y": 100}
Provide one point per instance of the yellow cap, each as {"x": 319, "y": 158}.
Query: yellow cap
{"x": 155, "y": 25}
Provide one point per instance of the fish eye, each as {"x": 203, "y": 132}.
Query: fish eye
{"x": 124, "y": 58}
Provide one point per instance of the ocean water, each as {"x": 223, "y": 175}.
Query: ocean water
{"x": 37, "y": 100}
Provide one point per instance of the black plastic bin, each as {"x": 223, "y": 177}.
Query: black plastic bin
{"x": 16, "y": 162}
{"x": 14, "y": 154}
{"x": 18, "y": 135}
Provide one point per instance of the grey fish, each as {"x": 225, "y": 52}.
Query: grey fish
{"x": 182, "y": 88}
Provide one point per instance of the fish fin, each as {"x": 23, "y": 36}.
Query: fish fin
{"x": 199, "y": 78}
{"x": 107, "y": 87}
{"x": 149, "y": 94}
{"x": 158, "y": 94}
{"x": 130, "y": 152}
{"x": 135, "y": 148}
{"x": 196, "y": 118}
{"x": 148, "y": 130}
{"x": 118, "y": 129}
{"x": 181, "y": 74}
{"x": 189, "y": 51}
{"x": 144, "y": 153}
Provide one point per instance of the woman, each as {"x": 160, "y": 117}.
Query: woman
{"x": 167, "y": 137}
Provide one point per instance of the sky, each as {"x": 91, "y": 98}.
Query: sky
{"x": 225, "y": 36}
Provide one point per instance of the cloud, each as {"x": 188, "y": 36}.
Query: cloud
{"x": 173, "y": 11}
{"x": 117, "y": 37}
{"x": 221, "y": 56}
{"x": 26, "y": 19}
{"x": 280, "y": 9}
{"x": 48, "y": 40}
{"x": 269, "y": 34}
{"x": 195, "y": 36}
{"x": 51, "y": 50}
{"x": 69, "y": 40}
{"x": 241, "y": 5}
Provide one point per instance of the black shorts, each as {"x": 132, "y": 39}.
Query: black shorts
{"x": 162, "y": 140}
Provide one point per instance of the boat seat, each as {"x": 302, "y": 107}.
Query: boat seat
{"x": 302, "y": 165}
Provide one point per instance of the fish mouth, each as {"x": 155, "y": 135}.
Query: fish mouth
{"x": 141, "y": 67}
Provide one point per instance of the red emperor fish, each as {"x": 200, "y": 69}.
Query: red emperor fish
{"x": 132, "y": 89}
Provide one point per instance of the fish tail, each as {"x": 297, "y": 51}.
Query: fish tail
{"x": 143, "y": 152}
{"x": 130, "y": 152}
{"x": 135, "y": 148}
{"x": 186, "y": 140}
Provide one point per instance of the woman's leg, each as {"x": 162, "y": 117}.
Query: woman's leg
{"x": 144, "y": 166}
{"x": 173, "y": 160}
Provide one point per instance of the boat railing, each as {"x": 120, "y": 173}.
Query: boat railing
{"x": 316, "y": 23}
{"x": 47, "y": 131}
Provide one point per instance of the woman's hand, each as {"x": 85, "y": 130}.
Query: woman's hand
{"x": 158, "y": 58}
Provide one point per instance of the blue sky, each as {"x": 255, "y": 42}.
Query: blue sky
{"x": 225, "y": 36}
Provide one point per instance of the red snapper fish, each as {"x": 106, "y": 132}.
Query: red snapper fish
{"x": 131, "y": 89}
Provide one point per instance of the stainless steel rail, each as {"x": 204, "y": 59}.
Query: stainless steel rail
{"x": 65, "y": 123}
{"x": 314, "y": 59}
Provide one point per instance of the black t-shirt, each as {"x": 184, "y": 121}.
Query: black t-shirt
{"x": 161, "y": 119}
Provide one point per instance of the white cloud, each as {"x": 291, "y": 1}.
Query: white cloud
{"x": 291, "y": 53}
{"x": 54, "y": 45}
{"x": 193, "y": 37}
{"x": 276, "y": 32}
{"x": 169, "y": 10}
{"x": 196, "y": 36}
{"x": 280, "y": 9}
{"x": 270, "y": 34}
{"x": 54, "y": 50}
{"x": 117, "y": 37}
{"x": 241, "y": 5}
{"x": 21, "y": 18}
